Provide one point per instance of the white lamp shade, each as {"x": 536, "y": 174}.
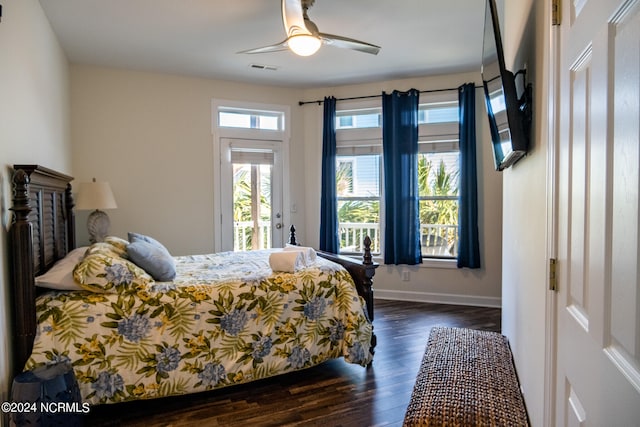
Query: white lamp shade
{"x": 95, "y": 195}
{"x": 304, "y": 45}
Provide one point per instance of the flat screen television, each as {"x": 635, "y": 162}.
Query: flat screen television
{"x": 509, "y": 115}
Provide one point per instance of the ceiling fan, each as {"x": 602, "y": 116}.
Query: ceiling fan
{"x": 303, "y": 37}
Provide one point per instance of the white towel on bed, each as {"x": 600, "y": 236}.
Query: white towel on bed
{"x": 286, "y": 261}
{"x": 308, "y": 254}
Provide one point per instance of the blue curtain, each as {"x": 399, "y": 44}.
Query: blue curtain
{"x": 400, "y": 157}
{"x": 468, "y": 243}
{"x": 329, "y": 240}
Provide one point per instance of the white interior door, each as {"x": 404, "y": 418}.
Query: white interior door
{"x": 251, "y": 194}
{"x": 598, "y": 305}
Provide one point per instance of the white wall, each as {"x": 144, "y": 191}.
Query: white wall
{"x": 34, "y": 124}
{"x": 448, "y": 285}
{"x": 149, "y": 135}
{"x": 524, "y": 284}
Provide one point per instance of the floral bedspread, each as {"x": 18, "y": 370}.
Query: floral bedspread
{"x": 226, "y": 319}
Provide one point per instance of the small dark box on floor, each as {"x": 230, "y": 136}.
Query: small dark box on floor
{"x": 47, "y": 396}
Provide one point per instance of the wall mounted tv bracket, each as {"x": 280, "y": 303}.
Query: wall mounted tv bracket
{"x": 525, "y": 104}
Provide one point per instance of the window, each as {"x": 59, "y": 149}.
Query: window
{"x": 344, "y": 178}
{"x": 358, "y": 174}
{"x": 252, "y": 212}
{"x": 250, "y": 119}
{"x": 358, "y": 190}
{"x": 438, "y": 175}
{"x": 359, "y": 119}
{"x": 359, "y": 178}
{"x": 438, "y": 112}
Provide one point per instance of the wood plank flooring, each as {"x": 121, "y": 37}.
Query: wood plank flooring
{"x": 330, "y": 395}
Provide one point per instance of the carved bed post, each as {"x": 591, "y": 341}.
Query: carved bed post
{"x": 292, "y": 236}
{"x": 369, "y": 272}
{"x": 23, "y": 286}
{"x": 71, "y": 219}
{"x": 361, "y": 272}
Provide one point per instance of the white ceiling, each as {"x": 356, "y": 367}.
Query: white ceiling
{"x": 201, "y": 38}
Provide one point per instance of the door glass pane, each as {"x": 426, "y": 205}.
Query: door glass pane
{"x": 251, "y": 206}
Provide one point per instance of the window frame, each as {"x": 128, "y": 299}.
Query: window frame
{"x": 353, "y": 142}
{"x": 254, "y": 115}
{"x": 219, "y": 133}
{"x": 439, "y": 137}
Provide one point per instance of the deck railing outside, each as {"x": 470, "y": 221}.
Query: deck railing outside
{"x": 352, "y": 236}
{"x": 436, "y": 239}
{"x": 242, "y": 232}
{"x": 439, "y": 240}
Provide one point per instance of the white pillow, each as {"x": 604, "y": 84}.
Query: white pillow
{"x": 60, "y": 276}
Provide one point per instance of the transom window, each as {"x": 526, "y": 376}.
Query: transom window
{"x": 438, "y": 112}
{"x": 359, "y": 119}
{"x": 250, "y": 119}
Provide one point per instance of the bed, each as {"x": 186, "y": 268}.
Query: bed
{"x": 224, "y": 319}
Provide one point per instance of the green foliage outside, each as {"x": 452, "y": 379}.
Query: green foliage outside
{"x": 243, "y": 199}
{"x": 437, "y": 182}
{"x": 433, "y": 181}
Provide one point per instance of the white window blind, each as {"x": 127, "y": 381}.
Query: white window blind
{"x": 251, "y": 156}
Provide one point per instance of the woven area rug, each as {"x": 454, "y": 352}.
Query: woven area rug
{"x": 467, "y": 378}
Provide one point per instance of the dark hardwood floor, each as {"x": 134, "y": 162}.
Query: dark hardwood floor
{"x": 333, "y": 394}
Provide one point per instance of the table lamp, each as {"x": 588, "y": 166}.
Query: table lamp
{"x": 96, "y": 196}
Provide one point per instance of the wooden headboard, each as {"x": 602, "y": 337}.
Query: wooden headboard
{"x": 42, "y": 232}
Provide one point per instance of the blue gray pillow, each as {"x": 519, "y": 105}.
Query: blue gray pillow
{"x": 135, "y": 237}
{"x": 151, "y": 255}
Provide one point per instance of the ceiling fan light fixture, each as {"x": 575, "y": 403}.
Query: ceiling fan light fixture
{"x": 304, "y": 44}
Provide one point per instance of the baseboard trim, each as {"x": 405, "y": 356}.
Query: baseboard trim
{"x": 454, "y": 299}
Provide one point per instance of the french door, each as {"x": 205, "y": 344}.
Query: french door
{"x": 251, "y": 194}
{"x": 598, "y": 302}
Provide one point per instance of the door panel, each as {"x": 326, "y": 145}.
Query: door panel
{"x": 624, "y": 331}
{"x": 598, "y": 310}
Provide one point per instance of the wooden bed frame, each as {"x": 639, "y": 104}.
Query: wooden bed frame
{"x": 43, "y": 231}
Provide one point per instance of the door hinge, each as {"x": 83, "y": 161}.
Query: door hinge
{"x": 556, "y": 16}
{"x": 553, "y": 281}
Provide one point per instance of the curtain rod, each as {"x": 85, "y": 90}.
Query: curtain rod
{"x": 320, "y": 101}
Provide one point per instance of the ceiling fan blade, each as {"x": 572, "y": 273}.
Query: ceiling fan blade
{"x": 293, "y": 21}
{"x": 347, "y": 43}
{"x": 297, "y": 23}
{"x": 293, "y": 18}
{"x": 266, "y": 49}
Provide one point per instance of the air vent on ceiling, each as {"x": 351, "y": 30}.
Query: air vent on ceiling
{"x": 263, "y": 67}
